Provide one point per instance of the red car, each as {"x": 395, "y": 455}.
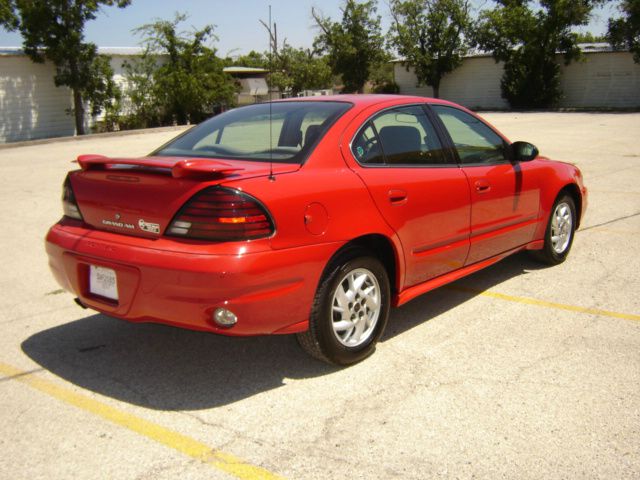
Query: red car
{"x": 308, "y": 216}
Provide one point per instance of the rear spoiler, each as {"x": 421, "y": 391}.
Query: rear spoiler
{"x": 179, "y": 168}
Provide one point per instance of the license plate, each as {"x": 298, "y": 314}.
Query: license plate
{"x": 102, "y": 281}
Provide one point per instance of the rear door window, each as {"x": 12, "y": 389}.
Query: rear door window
{"x": 400, "y": 136}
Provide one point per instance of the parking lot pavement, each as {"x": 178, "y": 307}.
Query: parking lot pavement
{"x": 517, "y": 371}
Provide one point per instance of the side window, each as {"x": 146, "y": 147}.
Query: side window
{"x": 402, "y": 136}
{"x": 474, "y": 141}
{"x": 366, "y": 146}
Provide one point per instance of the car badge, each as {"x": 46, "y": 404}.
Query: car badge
{"x": 148, "y": 226}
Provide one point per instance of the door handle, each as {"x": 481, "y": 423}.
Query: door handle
{"x": 482, "y": 186}
{"x": 397, "y": 197}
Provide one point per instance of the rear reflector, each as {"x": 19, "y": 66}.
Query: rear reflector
{"x": 222, "y": 214}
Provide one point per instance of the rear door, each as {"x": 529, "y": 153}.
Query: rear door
{"x": 505, "y": 196}
{"x": 417, "y": 186}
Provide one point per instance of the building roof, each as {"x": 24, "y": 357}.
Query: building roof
{"x": 601, "y": 47}
{"x": 244, "y": 70}
{"x": 13, "y": 51}
{"x": 123, "y": 51}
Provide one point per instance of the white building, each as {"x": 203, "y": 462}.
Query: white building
{"x": 31, "y": 106}
{"x": 605, "y": 79}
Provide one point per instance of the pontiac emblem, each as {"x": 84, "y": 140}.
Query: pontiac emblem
{"x": 117, "y": 216}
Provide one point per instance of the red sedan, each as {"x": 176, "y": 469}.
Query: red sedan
{"x": 308, "y": 216}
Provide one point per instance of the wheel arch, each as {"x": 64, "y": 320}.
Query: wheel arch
{"x": 378, "y": 246}
{"x": 574, "y": 192}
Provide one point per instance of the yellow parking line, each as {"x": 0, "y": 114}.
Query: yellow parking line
{"x": 183, "y": 444}
{"x": 543, "y": 303}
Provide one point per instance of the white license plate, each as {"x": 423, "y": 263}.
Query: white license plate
{"x": 102, "y": 281}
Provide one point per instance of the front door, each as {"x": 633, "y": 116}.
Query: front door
{"x": 505, "y": 196}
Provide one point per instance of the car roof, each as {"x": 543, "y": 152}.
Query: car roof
{"x": 364, "y": 100}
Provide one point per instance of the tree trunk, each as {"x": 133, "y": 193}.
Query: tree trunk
{"x": 436, "y": 90}
{"x": 78, "y": 111}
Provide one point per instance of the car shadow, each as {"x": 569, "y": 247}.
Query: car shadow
{"x": 166, "y": 368}
{"x": 443, "y": 299}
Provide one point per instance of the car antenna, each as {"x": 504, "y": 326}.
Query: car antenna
{"x": 271, "y": 177}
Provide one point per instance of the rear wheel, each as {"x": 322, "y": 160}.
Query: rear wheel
{"x": 558, "y": 236}
{"x": 349, "y": 312}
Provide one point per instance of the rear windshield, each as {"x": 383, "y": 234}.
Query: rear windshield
{"x": 287, "y": 133}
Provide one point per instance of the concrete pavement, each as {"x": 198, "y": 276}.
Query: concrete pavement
{"x": 518, "y": 371}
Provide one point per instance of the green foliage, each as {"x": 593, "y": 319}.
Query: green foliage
{"x": 111, "y": 121}
{"x": 625, "y": 32}
{"x": 301, "y": 70}
{"x": 190, "y": 84}
{"x": 8, "y": 18}
{"x": 140, "y": 107}
{"x": 381, "y": 77}
{"x": 527, "y": 41}
{"x": 588, "y": 37}
{"x": 54, "y": 30}
{"x": 253, "y": 59}
{"x": 353, "y": 45}
{"x": 100, "y": 89}
{"x": 431, "y": 36}
{"x": 293, "y": 69}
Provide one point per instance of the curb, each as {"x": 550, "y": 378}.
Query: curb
{"x": 92, "y": 136}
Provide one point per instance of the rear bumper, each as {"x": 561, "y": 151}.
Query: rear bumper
{"x": 270, "y": 291}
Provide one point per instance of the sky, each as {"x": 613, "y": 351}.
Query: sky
{"x": 236, "y": 21}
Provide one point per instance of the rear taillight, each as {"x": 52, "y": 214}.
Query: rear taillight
{"x": 69, "y": 204}
{"x": 222, "y": 214}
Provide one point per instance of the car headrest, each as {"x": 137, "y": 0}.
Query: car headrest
{"x": 399, "y": 139}
{"x": 311, "y": 135}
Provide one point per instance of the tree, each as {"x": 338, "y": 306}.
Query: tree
{"x": 7, "y": 16}
{"x": 292, "y": 69}
{"x": 54, "y": 30}
{"x": 382, "y": 76}
{"x": 589, "y": 37}
{"x": 431, "y": 36}
{"x": 299, "y": 69}
{"x": 252, "y": 59}
{"x": 625, "y": 32}
{"x": 528, "y": 41}
{"x": 353, "y": 45}
{"x": 191, "y": 82}
{"x": 140, "y": 106}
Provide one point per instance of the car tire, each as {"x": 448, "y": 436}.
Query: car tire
{"x": 560, "y": 231}
{"x": 350, "y": 310}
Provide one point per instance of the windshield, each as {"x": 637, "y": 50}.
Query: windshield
{"x": 287, "y": 133}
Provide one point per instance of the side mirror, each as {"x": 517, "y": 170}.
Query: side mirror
{"x": 524, "y": 151}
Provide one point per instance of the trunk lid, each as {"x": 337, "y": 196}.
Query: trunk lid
{"x": 140, "y": 196}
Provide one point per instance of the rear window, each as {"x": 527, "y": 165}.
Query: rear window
{"x": 285, "y": 134}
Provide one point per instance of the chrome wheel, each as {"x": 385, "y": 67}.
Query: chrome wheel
{"x": 561, "y": 228}
{"x": 350, "y": 309}
{"x": 356, "y": 307}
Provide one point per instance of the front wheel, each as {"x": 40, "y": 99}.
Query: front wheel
{"x": 350, "y": 311}
{"x": 558, "y": 236}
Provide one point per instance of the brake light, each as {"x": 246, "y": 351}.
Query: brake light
{"x": 222, "y": 214}
{"x": 69, "y": 204}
